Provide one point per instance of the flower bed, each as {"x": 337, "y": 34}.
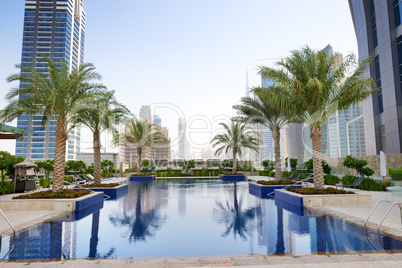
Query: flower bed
{"x": 280, "y": 182}
{"x": 266, "y": 191}
{"x": 313, "y": 191}
{"x": 105, "y": 185}
{"x": 49, "y": 195}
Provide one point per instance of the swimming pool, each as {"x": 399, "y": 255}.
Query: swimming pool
{"x": 190, "y": 217}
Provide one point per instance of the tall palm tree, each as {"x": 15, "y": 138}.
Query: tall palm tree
{"x": 259, "y": 111}
{"x": 55, "y": 94}
{"x": 101, "y": 113}
{"x": 142, "y": 134}
{"x": 312, "y": 89}
{"x": 237, "y": 136}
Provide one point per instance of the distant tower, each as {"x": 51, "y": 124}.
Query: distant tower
{"x": 55, "y": 29}
{"x": 157, "y": 121}
{"x": 145, "y": 113}
{"x": 183, "y": 145}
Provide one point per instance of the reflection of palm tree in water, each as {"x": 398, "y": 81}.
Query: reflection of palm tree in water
{"x": 280, "y": 243}
{"x": 142, "y": 224}
{"x": 93, "y": 242}
{"x": 234, "y": 218}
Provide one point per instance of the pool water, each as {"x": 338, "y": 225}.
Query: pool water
{"x": 191, "y": 217}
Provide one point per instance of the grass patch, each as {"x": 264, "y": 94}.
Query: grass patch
{"x": 313, "y": 191}
{"x": 50, "y": 195}
{"x": 281, "y": 182}
{"x": 105, "y": 185}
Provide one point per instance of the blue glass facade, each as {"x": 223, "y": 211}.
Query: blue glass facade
{"x": 55, "y": 29}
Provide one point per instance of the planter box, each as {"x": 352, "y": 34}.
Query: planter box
{"x": 73, "y": 204}
{"x": 112, "y": 191}
{"x": 299, "y": 200}
{"x": 265, "y": 191}
{"x": 22, "y": 186}
{"x": 142, "y": 178}
{"x": 233, "y": 178}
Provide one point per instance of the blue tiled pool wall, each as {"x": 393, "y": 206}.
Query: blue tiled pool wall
{"x": 89, "y": 202}
{"x": 113, "y": 192}
{"x": 289, "y": 198}
{"x": 232, "y": 177}
{"x": 142, "y": 178}
{"x": 262, "y": 191}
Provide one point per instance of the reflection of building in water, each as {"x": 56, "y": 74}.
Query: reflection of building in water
{"x": 53, "y": 240}
{"x": 182, "y": 202}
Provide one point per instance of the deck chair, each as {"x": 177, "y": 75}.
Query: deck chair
{"x": 297, "y": 178}
{"x": 86, "y": 178}
{"x": 356, "y": 183}
{"x": 290, "y": 177}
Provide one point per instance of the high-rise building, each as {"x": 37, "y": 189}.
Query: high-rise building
{"x": 145, "y": 113}
{"x": 55, "y": 29}
{"x": 157, "y": 121}
{"x": 183, "y": 152}
{"x": 378, "y": 28}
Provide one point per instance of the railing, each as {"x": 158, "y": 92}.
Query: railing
{"x": 12, "y": 227}
{"x": 385, "y": 215}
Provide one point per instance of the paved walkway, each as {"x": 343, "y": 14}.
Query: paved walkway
{"x": 254, "y": 261}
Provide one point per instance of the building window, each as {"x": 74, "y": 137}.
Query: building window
{"x": 378, "y": 83}
{"x": 373, "y": 24}
{"x": 397, "y": 12}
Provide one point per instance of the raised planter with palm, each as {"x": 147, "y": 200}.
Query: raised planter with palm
{"x": 101, "y": 113}
{"x": 236, "y": 136}
{"x": 312, "y": 86}
{"x": 258, "y": 110}
{"x": 142, "y": 134}
{"x": 57, "y": 94}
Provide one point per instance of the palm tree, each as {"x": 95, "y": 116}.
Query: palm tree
{"x": 259, "y": 111}
{"x": 55, "y": 94}
{"x": 237, "y": 136}
{"x": 312, "y": 89}
{"x": 142, "y": 134}
{"x": 101, "y": 113}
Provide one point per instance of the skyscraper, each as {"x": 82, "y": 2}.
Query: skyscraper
{"x": 145, "y": 113}
{"x": 183, "y": 152}
{"x": 55, "y": 29}
{"x": 378, "y": 27}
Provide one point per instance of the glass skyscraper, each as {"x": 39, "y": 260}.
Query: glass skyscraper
{"x": 55, "y": 29}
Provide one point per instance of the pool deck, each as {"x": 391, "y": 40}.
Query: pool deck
{"x": 355, "y": 214}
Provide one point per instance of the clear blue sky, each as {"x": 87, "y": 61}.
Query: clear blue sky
{"x": 190, "y": 55}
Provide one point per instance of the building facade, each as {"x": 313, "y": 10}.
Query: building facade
{"x": 183, "y": 147}
{"x": 378, "y": 28}
{"x": 55, "y": 29}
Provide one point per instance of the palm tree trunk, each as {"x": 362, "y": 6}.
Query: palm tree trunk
{"x": 315, "y": 135}
{"x": 97, "y": 160}
{"x": 59, "y": 158}
{"x": 276, "y": 135}
{"x": 234, "y": 170}
{"x": 139, "y": 152}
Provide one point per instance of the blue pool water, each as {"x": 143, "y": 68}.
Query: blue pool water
{"x": 190, "y": 217}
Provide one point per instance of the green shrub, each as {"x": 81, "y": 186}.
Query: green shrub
{"x": 368, "y": 184}
{"x": 106, "y": 173}
{"x": 389, "y": 184}
{"x": 313, "y": 191}
{"x": 6, "y": 187}
{"x": 358, "y": 165}
{"x": 68, "y": 179}
{"x": 128, "y": 170}
{"x": 303, "y": 176}
{"x": 271, "y": 174}
{"x": 264, "y": 172}
{"x": 395, "y": 174}
{"x": 285, "y": 174}
{"x": 45, "y": 182}
{"x": 309, "y": 166}
{"x": 281, "y": 182}
{"x": 331, "y": 179}
{"x": 51, "y": 195}
{"x": 268, "y": 165}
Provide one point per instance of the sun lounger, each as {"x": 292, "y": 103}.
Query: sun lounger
{"x": 356, "y": 183}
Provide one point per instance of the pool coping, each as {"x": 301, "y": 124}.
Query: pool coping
{"x": 388, "y": 231}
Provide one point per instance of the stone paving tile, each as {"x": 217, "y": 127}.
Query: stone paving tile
{"x": 273, "y": 260}
{"x": 311, "y": 259}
